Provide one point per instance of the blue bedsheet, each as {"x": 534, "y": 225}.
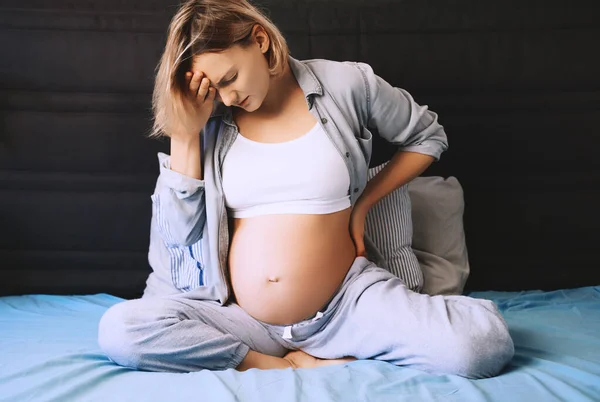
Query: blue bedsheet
{"x": 48, "y": 352}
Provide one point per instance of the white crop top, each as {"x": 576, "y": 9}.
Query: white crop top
{"x": 306, "y": 175}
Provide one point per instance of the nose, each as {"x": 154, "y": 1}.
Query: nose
{"x": 227, "y": 98}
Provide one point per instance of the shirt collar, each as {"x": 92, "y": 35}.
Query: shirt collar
{"x": 305, "y": 77}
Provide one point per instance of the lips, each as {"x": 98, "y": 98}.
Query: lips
{"x": 244, "y": 101}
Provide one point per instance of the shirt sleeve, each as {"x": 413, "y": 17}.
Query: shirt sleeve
{"x": 179, "y": 206}
{"x": 399, "y": 119}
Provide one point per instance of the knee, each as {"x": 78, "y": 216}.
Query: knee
{"x": 481, "y": 349}
{"x": 116, "y": 335}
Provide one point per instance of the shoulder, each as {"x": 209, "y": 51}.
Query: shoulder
{"x": 349, "y": 83}
{"x": 339, "y": 75}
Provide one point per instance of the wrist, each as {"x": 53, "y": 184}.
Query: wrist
{"x": 185, "y": 141}
{"x": 361, "y": 207}
{"x": 185, "y": 156}
{"x": 364, "y": 202}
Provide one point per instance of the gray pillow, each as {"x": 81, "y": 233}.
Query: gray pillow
{"x": 438, "y": 234}
{"x": 389, "y": 226}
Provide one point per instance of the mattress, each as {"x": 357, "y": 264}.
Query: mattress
{"x": 49, "y": 352}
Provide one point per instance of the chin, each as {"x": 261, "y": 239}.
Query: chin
{"x": 252, "y": 109}
{"x": 254, "y": 106}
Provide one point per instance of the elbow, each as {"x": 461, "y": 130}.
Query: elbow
{"x": 432, "y": 146}
{"x": 184, "y": 236}
{"x": 179, "y": 225}
{"x": 438, "y": 145}
{"x": 430, "y": 135}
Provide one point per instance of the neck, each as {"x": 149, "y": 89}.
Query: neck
{"x": 279, "y": 93}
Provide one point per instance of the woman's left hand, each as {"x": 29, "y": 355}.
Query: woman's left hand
{"x": 357, "y": 229}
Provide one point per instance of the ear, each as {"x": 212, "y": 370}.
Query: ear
{"x": 261, "y": 38}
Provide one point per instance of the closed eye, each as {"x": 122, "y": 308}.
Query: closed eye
{"x": 229, "y": 81}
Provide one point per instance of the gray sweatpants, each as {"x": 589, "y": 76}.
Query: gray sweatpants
{"x": 372, "y": 316}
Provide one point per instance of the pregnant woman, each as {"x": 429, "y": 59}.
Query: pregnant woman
{"x": 257, "y": 239}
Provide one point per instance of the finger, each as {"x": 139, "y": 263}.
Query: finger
{"x": 188, "y": 78}
{"x": 210, "y": 97}
{"x": 195, "y": 83}
{"x": 203, "y": 89}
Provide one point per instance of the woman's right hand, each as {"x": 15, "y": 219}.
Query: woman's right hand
{"x": 197, "y": 104}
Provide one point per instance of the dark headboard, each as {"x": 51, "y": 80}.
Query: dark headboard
{"x": 515, "y": 83}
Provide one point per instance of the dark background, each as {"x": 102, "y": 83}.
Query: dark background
{"x": 515, "y": 83}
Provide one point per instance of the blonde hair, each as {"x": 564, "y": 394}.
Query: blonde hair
{"x": 202, "y": 26}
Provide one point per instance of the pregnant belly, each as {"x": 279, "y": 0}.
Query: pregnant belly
{"x": 284, "y": 268}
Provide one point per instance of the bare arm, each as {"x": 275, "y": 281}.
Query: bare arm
{"x": 401, "y": 169}
{"x": 178, "y": 200}
{"x": 185, "y": 156}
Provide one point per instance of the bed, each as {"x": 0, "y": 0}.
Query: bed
{"x": 49, "y": 353}
{"x": 515, "y": 85}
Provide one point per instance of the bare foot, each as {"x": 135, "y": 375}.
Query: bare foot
{"x": 300, "y": 359}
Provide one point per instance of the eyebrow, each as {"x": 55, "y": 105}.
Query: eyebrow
{"x": 221, "y": 81}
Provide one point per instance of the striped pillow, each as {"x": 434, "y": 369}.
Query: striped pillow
{"x": 389, "y": 226}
